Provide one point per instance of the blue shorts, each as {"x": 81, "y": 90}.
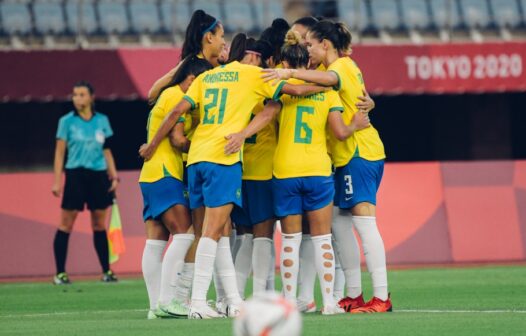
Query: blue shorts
{"x": 213, "y": 185}
{"x": 258, "y": 203}
{"x": 161, "y": 195}
{"x": 293, "y": 196}
{"x": 357, "y": 182}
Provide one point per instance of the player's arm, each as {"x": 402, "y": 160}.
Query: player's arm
{"x": 112, "y": 169}
{"x": 156, "y": 88}
{"x": 262, "y": 119}
{"x": 325, "y": 78}
{"x": 366, "y": 103}
{"x": 301, "y": 89}
{"x": 341, "y": 130}
{"x": 58, "y": 166}
{"x": 178, "y": 139}
{"x": 147, "y": 150}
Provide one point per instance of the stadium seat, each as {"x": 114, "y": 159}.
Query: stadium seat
{"x": 211, "y": 7}
{"x": 445, "y": 14}
{"x": 16, "y": 18}
{"x": 267, "y": 11}
{"x": 144, "y": 16}
{"x": 506, "y": 13}
{"x": 354, "y": 14}
{"x": 239, "y": 15}
{"x": 415, "y": 14}
{"x": 385, "y": 14}
{"x": 113, "y": 16}
{"x": 49, "y": 17}
{"x": 175, "y": 14}
{"x": 475, "y": 13}
{"x": 89, "y": 19}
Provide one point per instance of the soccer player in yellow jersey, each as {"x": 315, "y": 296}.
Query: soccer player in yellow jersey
{"x": 226, "y": 97}
{"x": 166, "y": 201}
{"x": 359, "y": 163}
{"x": 302, "y": 175}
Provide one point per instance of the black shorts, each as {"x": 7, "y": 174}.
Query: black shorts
{"x": 86, "y": 186}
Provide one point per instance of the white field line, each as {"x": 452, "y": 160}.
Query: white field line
{"x": 410, "y": 311}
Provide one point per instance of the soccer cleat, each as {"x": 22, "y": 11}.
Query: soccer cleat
{"x": 349, "y": 303}
{"x": 304, "y": 307}
{"x": 203, "y": 312}
{"x": 221, "y": 306}
{"x": 175, "y": 309}
{"x": 332, "y": 310}
{"x": 109, "y": 276}
{"x": 160, "y": 314}
{"x": 61, "y": 279}
{"x": 375, "y": 305}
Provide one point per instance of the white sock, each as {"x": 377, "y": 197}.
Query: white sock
{"x": 261, "y": 263}
{"x": 204, "y": 265}
{"x": 243, "y": 262}
{"x": 348, "y": 250}
{"x": 173, "y": 262}
{"x": 271, "y": 280}
{"x": 184, "y": 283}
{"x": 374, "y": 252}
{"x": 151, "y": 268}
{"x": 218, "y": 285}
{"x": 290, "y": 251}
{"x": 237, "y": 244}
{"x": 339, "y": 277}
{"x": 324, "y": 260}
{"x": 226, "y": 271}
{"x": 233, "y": 236}
{"x": 307, "y": 271}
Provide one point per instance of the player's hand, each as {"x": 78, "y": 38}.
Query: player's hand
{"x": 366, "y": 103}
{"x": 234, "y": 144}
{"x": 146, "y": 151}
{"x": 56, "y": 189}
{"x": 276, "y": 75}
{"x": 360, "y": 120}
{"x": 114, "y": 183}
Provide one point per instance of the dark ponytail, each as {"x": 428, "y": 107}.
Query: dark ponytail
{"x": 275, "y": 35}
{"x": 337, "y": 33}
{"x": 192, "y": 65}
{"x": 200, "y": 23}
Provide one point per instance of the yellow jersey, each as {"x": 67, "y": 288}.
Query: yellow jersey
{"x": 302, "y": 139}
{"x": 226, "y": 97}
{"x": 365, "y": 143}
{"x": 190, "y": 120}
{"x": 166, "y": 161}
{"x": 258, "y": 152}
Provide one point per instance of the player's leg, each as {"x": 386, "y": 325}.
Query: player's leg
{"x": 366, "y": 177}
{"x": 262, "y": 255}
{"x": 307, "y": 272}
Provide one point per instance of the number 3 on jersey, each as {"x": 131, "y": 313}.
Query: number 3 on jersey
{"x": 302, "y": 131}
{"x": 210, "y": 116}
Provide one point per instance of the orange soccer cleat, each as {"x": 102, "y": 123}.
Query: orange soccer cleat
{"x": 349, "y": 303}
{"x": 375, "y": 305}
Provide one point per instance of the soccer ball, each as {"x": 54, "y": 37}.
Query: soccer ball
{"x": 268, "y": 314}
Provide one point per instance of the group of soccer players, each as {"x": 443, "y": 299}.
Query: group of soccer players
{"x": 239, "y": 140}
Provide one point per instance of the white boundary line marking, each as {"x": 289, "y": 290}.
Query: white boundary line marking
{"x": 410, "y": 311}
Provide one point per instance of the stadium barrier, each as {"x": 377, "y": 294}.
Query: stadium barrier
{"x": 454, "y": 212}
{"x": 397, "y": 69}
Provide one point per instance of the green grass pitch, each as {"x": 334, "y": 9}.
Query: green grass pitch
{"x": 442, "y": 301}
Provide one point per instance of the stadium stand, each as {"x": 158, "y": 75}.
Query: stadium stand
{"x": 145, "y": 22}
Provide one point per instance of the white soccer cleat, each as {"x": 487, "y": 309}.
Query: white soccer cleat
{"x": 232, "y": 310}
{"x": 221, "y": 306}
{"x": 332, "y": 310}
{"x": 306, "y": 307}
{"x": 203, "y": 313}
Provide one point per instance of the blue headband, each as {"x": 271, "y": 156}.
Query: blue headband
{"x": 212, "y": 26}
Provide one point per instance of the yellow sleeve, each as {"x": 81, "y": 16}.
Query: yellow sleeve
{"x": 266, "y": 89}
{"x": 338, "y": 69}
{"x": 335, "y": 103}
{"x": 194, "y": 92}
